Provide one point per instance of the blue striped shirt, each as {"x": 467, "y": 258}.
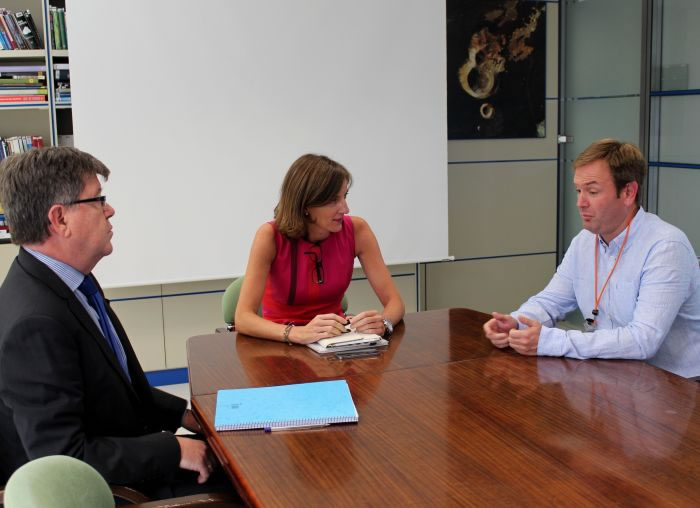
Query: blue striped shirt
{"x": 72, "y": 278}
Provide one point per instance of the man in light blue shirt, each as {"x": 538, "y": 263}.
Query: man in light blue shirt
{"x": 634, "y": 277}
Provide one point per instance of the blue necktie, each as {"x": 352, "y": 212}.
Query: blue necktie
{"x": 94, "y": 298}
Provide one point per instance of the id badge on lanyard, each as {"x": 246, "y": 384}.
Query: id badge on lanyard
{"x": 590, "y": 325}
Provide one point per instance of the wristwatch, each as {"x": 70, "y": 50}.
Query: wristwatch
{"x": 388, "y": 327}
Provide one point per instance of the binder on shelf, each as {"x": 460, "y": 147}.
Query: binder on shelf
{"x": 289, "y": 406}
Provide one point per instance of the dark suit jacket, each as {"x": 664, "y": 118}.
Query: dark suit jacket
{"x": 62, "y": 390}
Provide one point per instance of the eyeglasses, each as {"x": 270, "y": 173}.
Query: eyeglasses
{"x": 101, "y": 199}
{"x": 318, "y": 272}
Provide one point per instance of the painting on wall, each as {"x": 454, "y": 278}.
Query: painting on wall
{"x": 496, "y": 69}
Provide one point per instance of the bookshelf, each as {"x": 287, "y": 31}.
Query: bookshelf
{"x": 46, "y": 119}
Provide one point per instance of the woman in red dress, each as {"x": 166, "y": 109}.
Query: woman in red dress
{"x": 301, "y": 263}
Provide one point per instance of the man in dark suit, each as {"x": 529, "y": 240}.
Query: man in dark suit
{"x": 70, "y": 382}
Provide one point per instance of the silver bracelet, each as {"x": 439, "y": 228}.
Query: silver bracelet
{"x": 285, "y": 334}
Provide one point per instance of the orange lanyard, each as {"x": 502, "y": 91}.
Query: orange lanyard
{"x": 598, "y": 297}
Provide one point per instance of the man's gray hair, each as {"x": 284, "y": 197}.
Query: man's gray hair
{"x": 32, "y": 182}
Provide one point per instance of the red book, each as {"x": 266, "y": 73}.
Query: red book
{"x": 37, "y": 141}
{"x": 22, "y": 98}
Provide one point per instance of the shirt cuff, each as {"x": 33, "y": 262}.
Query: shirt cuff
{"x": 551, "y": 342}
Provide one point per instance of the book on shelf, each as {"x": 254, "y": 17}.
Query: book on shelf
{"x": 4, "y": 40}
{"x": 4, "y": 228}
{"x": 28, "y": 29}
{"x": 54, "y": 28}
{"x": 30, "y": 21}
{"x": 18, "y": 30}
{"x": 19, "y": 144}
{"x": 7, "y": 32}
{"x": 61, "y": 72}
{"x": 22, "y": 81}
{"x": 22, "y": 98}
{"x": 62, "y": 27}
{"x": 13, "y": 90}
{"x": 21, "y": 69}
{"x": 57, "y": 17}
{"x": 62, "y": 76}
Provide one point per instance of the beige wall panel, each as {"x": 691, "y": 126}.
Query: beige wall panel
{"x": 508, "y": 149}
{"x": 8, "y": 252}
{"x": 393, "y": 269}
{"x": 498, "y": 209}
{"x": 361, "y": 296}
{"x": 499, "y": 284}
{"x": 143, "y": 322}
{"x": 188, "y": 315}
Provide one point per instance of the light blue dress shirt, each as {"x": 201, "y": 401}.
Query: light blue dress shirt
{"x": 649, "y": 311}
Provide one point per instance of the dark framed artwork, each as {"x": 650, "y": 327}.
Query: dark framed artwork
{"x": 496, "y": 69}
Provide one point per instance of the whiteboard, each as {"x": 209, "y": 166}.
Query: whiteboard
{"x": 199, "y": 109}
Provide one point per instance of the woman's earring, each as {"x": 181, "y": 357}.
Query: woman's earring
{"x": 306, "y": 213}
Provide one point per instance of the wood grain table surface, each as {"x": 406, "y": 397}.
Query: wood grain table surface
{"x": 448, "y": 420}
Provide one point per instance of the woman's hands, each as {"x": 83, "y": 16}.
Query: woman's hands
{"x": 324, "y": 326}
{"x": 369, "y": 321}
{"x": 320, "y": 327}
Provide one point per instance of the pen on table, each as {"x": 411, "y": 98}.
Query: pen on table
{"x": 349, "y": 355}
{"x": 295, "y": 427}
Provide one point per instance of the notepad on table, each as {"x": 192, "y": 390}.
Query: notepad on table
{"x": 304, "y": 404}
{"x": 349, "y": 338}
{"x": 345, "y": 347}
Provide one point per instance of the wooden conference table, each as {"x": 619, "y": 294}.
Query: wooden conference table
{"x": 446, "y": 419}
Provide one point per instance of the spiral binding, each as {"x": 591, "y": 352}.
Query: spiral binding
{"x": 286, "y": 423}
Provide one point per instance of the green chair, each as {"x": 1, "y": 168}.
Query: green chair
{"x": 229, "y": 301}
{"x": 59, "y": 481}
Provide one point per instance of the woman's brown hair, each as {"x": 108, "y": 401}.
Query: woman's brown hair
{"x": 312, "y": 180}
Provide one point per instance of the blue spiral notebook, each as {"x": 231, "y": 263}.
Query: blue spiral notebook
{"x": 298, "y": 405}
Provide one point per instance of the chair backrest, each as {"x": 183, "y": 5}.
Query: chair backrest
{"x": 57, "y": 481}
{"x": 229, "y": 301}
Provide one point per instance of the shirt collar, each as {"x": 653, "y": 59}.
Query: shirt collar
{"x": 69, "y": 275}
{"x": 616, "y": 242}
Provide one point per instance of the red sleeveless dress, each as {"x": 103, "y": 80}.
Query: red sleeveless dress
{"x": 323, "y": 274}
